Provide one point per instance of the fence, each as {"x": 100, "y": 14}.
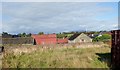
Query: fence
{"x": 115, "y": 50}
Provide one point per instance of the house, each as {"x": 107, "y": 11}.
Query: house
{"x": 93, "y": 35}
{"x": 79, "y": 38}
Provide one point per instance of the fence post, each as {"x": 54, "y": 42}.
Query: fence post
{"x": 115, "y": 50}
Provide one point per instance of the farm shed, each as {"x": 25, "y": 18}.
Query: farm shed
{"x": 79, "y": 38}
{"x": 45, "y": 39}
{"x": 115, "y": 50}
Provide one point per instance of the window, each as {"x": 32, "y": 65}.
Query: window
{"x": 82, "y": 40}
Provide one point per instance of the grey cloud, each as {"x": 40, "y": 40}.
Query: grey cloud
{"x": 51, "y": 17}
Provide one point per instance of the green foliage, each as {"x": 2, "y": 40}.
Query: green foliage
{"x": 40, "y": 33}
{"x": 96, "y": 32}
{"x": 60, "y": 35}
{"x": 64, "y": 35}
{"x": 24, "y": 35}
{"x": 19, "y": 34}
{"x": 5, "y": 33}
{"x": 104, "y": 37}
{"x": 29, "y": 35}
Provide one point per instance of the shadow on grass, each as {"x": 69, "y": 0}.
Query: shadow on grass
{"x": 105, "y": 57}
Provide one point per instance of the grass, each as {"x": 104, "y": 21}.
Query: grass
{"x": 59, "y": 58}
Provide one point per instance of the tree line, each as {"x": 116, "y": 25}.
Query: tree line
{"x": 8, "y": 35}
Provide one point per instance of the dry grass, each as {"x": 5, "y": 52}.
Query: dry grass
{"x": 64, "y": 57}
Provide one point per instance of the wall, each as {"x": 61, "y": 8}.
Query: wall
{"x": 24, "y": 40}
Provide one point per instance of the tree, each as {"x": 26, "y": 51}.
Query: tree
{"x": 4, "y": 33}
{"x": 24, "y": 34}
{"x": 29, "y": 35}
{"x": 20, "y": 35}
{"x": 40, "y": 33}
{"x": 96, "y": 32}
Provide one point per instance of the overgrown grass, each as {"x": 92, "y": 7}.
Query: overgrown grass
{"x": 58, "y": 58}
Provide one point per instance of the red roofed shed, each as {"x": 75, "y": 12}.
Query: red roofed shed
{"x": 45, "y": 39}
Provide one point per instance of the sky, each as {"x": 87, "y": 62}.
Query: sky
{"x": 59, "y": 0}
{"x": 55, "y": 17}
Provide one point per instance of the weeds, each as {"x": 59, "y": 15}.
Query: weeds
{"x": 58, "y": 58}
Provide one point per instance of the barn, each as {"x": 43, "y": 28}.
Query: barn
{"x": 45, "y": 39}
{"x": 48, "y": 39}
{"x": 79, "y": 38}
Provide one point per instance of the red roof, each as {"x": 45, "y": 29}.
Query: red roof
{"x": 45, "y": 39}
{"x": 62, "y": 40}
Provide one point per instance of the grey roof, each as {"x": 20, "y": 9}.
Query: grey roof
{"x": 74, "y": 36}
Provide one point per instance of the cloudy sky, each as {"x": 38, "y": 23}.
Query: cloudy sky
{"x": 53, "y": 17}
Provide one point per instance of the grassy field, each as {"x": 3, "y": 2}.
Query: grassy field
{"x": 98, "y": 57}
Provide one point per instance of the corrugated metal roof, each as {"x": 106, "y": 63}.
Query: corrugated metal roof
{"x": 45, "y": 39}
{"x": 62, "y": 40}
